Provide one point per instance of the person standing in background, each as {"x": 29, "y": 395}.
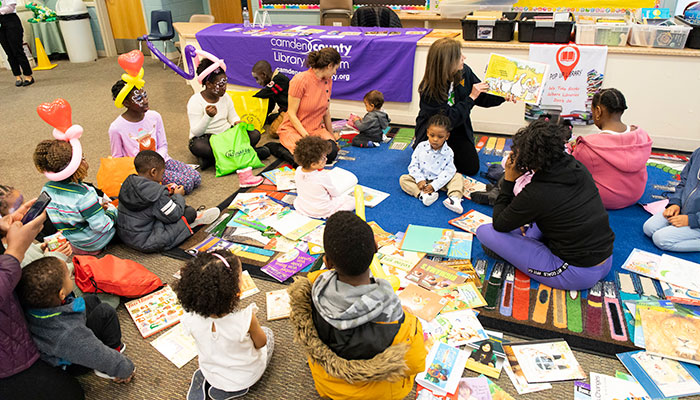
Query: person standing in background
{"x": 12, "y": 39}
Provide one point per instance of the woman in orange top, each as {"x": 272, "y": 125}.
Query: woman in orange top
{"x": 309, "y": 102}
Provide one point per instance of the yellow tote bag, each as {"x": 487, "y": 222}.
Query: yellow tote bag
{"x": 251, "y": 110}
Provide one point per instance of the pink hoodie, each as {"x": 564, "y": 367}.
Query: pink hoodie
{"x": 617, "y": 163}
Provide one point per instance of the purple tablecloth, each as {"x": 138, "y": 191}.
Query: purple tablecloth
{"x": 381, "y": 62}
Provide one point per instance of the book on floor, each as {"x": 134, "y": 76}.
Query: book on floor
{"x": 461, "y": 246}
{"x": 670, "y": 334}
{"x": 277, "y": 304}
{"x": 176, "y": 345}
{"x": 248, "y": 287}
{"x": 444, "y": 368}
{"x": 423, "y": 393}
{"x": 285, "y": 180}
{"x": 272, "y": 174}
{"x": 426, "y": 239}
{"x": 422, "y": 303}
{"x": 470, "y": 221}
{"x": 459, "y": 328}
{"x": 433, "y": 276}
{"x": 461, "y": 297}
{"x": 154, "y": 312}
{"x": 292, "y": 224}
{"x": 604, "y": 387}
{"x": 547, "y": 361}
{"x": 582, "y": 390}
{"x": 474, "y": 389}
{"x": 662, "y": 377}
{"x": 372, "y": 196}
{"x": 471, "y": 185}
{"x": 516, "y": 376}
{"x": 287, "y": 264}
{"x": 497, "y": 393}
{"x": 464, "y": 268}
{"x": 486, "y": 356}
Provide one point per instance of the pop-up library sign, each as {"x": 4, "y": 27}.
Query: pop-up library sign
{"x": 573, "y": 72}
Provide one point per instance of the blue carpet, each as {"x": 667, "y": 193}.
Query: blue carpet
{"x": 380, "y": 168}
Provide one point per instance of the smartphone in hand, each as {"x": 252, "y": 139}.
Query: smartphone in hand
{"x": 37, "y": 208}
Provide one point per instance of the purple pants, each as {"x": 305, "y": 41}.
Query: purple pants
{"x": 531, "y": 256}
{"x": 179, "y": 173}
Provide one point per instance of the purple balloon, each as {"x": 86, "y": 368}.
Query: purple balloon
{"x": 190, "y": 54}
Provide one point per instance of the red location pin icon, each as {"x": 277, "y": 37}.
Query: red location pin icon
{"x": 567, "y": 58}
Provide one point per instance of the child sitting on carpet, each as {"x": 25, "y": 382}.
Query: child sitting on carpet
{"x": 234, "y": 350}
{"x": 276, "y": 89}
{"x": 317, "y": 195}
{"x": 359, "y": 341}
{"x": 151, "y": 218}
{"x": 373, "y": 124}
{"x": 75, "y": 208}
{"x": 432, "y": 168}
{"x": 678, "y": 227}
{"x": 76, "y": 334}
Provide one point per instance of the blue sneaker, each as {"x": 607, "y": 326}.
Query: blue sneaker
{"x": 197, "y": 387}
{"x": 218, "y": 394}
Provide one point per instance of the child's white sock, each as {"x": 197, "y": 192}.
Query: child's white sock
{"x": 454, "y": 204}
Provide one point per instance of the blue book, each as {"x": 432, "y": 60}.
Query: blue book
{"x": 662, "y": 377}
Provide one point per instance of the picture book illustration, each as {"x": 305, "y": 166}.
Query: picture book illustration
{"x": 662, "y": 377}
{"x": 459, "y": 328}
{"x": 176, "y": 345}
{"x": 461, "y": 297}
{"x": 486, "y": 357}
{"x": 522, "y": 79}
{"x": 461, "y": 245}
{"x": 287, "y": 264}
{"x": 155, "y": 312}
{"x": 515, "y": 373}
{"x": 433, "y": 276}
{"x": 426, "y": 239}
{"x": 473, "y": 389}
{"x": 497, "y": 393}
{"x": 422, "y": 303}
{"x": 671, "y": 334}
{"x": 547, "y": 361}
{"x": 423, "y": 393}
{"x": 277, "y": 304}
{"x": 605, "y": 387}
{"x": 471, "y": 220}
{"x": 444, "y": 368}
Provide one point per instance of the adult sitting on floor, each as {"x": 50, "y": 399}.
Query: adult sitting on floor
{"x": 211, "y": 112}
{"x": 556, "y": 229}
{"x": 308, "y": 111}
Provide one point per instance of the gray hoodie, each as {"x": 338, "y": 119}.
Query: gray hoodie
{"x": 149, "y": 218}
{"x": 63, "y": 338}
{"x": 372, "y": 125}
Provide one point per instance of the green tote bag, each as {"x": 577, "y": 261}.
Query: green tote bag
{"x": 232, "y": 150}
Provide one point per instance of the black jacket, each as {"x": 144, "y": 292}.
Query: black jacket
{"x": 149, "y": 219}
{"x": 459, "y": 113}
{"x": 566, "y": 205}
{"x": 379, "y": 16}
{"x": 277, "y": 91}
{"x": 372, "y": 125}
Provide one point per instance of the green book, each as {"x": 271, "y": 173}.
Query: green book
{"x": 426, "y": 239}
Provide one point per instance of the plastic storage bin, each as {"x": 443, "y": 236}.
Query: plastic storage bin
{"x": 602, "y": 33}
{"x": 693, "y": 41}
{"x": 460, "y": 8}
{"x": 539, "y": 31}
{"x": 74, "y": 21}
{"x": 492, "y": 30}
{"x": 663, "y": 36}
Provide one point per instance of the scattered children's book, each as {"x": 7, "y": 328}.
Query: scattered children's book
{"x": 155, "y": 312}
{"x": 670, "y": 334}
{"x": 547, "y": 361}
{"x": 461, "y": 297}
{"x": 461, "y": 246}
{"x": 176, "y": 345}
{"x": 496, "y": 392}
{"x": 372, "y": 196}
{"x": 522, "y": 79}
{"x": 471, "y": 185}
{"x": 680, "y": 295}
{"x": 444, "y": 368}
{"x": 433, "y": 276}
{"x": 662, "y": 377}
{"x": 582, "y": 391}
{"x": 292, "y": 224}
{"x": 284, "y": 180}
{"x": 248, "y": 287}
{"x": 277, "y": 304}
{"x": 604, "y": 387}
{"x": 427, "y": 394}
{"x": 474, "y": 389}
{"x": 422, "y": 303}
{"x": 486, "y": 356}
{"x": 460, "y": 328}
{"x": 471, "y": 220}
{"x": 287, "y": 264}
{"x": 665, "y": 268}
{"x": 426, "y": 239}
{"x": 272, "y": 174}
{"x": 463, "y": 268}
{"x": 512, "y": 368}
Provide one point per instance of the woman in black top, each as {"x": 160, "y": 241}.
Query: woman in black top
{"x": 556, "y": 229}
{"x": 450, "y": 87}
{"x": 12, "y": 39}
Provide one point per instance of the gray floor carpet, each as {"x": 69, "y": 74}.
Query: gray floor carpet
{"x": 87, "y": 88}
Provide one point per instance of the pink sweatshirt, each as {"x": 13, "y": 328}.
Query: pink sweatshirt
{"x": 617, "y": 163}
{"x": 126, "y": 138}
{"x": 317, "y": 196}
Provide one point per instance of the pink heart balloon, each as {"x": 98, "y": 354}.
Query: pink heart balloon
{"x": 57, "y": 114}
{"x": 131, "y": 62}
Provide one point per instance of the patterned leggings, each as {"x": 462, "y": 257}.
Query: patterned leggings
{"x": 180, "y": 173}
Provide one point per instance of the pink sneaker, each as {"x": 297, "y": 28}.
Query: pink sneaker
{"x": 247, "y": 179}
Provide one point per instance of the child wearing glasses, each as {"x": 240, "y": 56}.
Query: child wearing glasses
{"x": 211, "y": 112}
{"x": 234, "y": 350}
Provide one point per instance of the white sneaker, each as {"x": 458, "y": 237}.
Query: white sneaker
{"x": 206, "y": 217}
{"x": 386, "y": 139}
{"x": 453, "y": 204}
{"x": 428, "y": 199}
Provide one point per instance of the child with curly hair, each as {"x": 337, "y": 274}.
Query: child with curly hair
{"x": 77, "y": 334}
{"x": 233, "y": 348}
{"x": 75, "y": 207}
{"x": 556, "y": 229}
{"x": 317, "y": 196}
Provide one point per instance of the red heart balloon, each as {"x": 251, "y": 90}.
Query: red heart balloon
{"x": 57, "y": 114}
{"x": 131, "y": 62}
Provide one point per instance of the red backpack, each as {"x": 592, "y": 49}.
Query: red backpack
{"x": 114, "y": 275}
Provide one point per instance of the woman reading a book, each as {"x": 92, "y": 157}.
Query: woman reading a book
{"x": 309, "y": 100}
{"x": 556, "y": 229}
{"x": 450, "y": 87}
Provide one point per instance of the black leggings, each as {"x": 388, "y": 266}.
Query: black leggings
{"x": 201, "y": 148}
{"x": 281, "y": 152}
{"x": 12, "y": 39}
{"x": 41, "y": 382}
{"x": 466, "y": 157}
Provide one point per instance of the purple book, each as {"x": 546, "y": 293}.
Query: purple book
{"x": 287, "y": 264}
